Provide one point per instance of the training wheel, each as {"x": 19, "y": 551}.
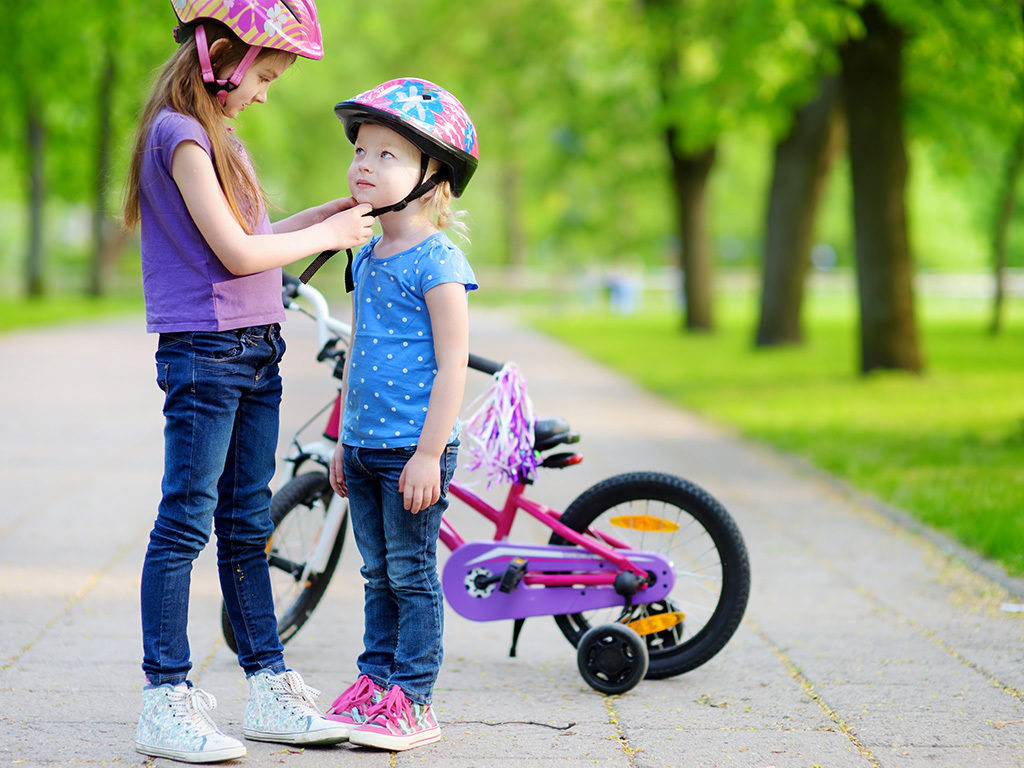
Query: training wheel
{"x": 612, "y": 658}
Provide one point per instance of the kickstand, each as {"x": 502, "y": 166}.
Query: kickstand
{"x": 517, "y": 627}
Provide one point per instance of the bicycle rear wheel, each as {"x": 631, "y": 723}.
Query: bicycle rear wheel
{"x": 297, "y": 511}
{"x": 665, "y": 514}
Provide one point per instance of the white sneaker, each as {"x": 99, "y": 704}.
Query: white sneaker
{"x": 175, "y": 723}
{"x": 282, "y": 708}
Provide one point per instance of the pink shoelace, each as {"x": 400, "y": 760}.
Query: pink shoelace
{"x": 355, "y": 696}
{"x": 392, "y": 707}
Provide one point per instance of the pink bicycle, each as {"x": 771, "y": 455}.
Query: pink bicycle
{"x": 645, "y": 573}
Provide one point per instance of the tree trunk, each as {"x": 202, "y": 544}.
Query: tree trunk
{"x": 1000, "y": 233}
{"x": 802, "y": 161}
{"x": 872, "y": 90}
{"x": 690, "y": 170}
{"x": 689, "y": 181}
{"x": 100, "y": 253}
{"x": 515, "y": 239}
{"x": 36, "y": 136}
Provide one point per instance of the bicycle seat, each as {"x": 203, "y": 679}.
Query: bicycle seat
{"x": 547, "y": 433}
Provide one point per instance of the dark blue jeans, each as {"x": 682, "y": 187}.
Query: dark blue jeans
{"x": 223, "y": 395}
{"x": 404, "y": 605}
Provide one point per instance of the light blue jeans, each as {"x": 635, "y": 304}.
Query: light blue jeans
{"x": 222, "y": 397}
{"x": 404, "y": 605}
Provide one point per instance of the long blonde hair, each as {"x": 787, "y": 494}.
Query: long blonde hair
{"x": 179, "y": 86}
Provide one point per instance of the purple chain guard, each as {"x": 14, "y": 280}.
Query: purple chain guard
{"x": 493, "y": 558}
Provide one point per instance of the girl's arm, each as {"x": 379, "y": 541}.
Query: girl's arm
{"x": 420, "y": 481}
{"x": 314, "y": 215}
{"x": 244, "y": 254}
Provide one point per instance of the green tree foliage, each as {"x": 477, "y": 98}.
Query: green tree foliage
{"x": 571, "y": 108}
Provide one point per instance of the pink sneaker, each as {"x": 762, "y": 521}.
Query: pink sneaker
{"x": 396, "y": 724}
{"x": 351, "y": 707}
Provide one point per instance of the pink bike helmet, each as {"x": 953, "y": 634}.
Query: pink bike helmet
{"x": 284, "y": 25}
{"x": 424, "y": 113}
{"x": 429, "y": 117}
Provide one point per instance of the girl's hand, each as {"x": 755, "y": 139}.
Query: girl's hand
{"x": 420, "y": 482}
{"x": 337, "y": 471}
{"x": 351, "y": 227}
{"x": 332, "y": 207}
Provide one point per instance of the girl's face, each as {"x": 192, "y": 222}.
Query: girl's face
{"x": 385, "y": 168}
{"x": 253, "y": 88}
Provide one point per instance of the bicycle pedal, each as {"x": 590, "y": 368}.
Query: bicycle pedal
{"x": 513, "y": 575}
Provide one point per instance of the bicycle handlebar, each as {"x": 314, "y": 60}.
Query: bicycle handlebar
{"x": 483, "y": 365}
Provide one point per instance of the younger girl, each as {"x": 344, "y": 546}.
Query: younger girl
{"x": 211, "y": 275}
{"x": 402, "y": 392}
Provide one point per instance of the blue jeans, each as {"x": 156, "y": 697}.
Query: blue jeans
{"x": 223, "y": 395}
{"x": 404, "y": 605}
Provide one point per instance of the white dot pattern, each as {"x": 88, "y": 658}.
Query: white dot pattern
{"x": 392, "y": 358}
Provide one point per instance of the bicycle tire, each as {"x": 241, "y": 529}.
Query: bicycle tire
{"x": 297, "y": 511}
{"x": 710, "y": 559}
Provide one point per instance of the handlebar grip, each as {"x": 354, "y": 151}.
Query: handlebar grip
{"x": 483, "y": 365}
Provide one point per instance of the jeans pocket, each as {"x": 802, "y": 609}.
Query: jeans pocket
{"x": 277, "y": 340}
{"x": 449, "y": 461}
{"x": 219, "y": 346}
{"x": 161, "y": 375}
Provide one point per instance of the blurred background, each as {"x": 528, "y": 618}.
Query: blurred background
{"x": 800, "y": 217}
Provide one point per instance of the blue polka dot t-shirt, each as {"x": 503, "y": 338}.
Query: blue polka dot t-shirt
{"x": 392, "y": 366}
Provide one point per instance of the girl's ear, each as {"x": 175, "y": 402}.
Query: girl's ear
{"x": 216, "y": 48}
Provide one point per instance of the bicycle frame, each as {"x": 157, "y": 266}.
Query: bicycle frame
{"x": 503, "y": 519}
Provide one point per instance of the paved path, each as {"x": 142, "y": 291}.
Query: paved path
{"x": 863, "y": 645}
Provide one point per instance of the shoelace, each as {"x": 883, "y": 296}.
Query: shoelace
{"x": 357, "y": 695}
{"x": 392, "y": 707}
{"x": 296, "y": 692}
{"x": 197, "y": 705}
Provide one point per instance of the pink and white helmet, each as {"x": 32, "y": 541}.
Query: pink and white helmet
{"x": 284, "y": 25}
{"x": 424, "y": 113}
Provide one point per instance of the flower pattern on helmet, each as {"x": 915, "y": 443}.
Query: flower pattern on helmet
{"x": 427, "y": 107}
{"x": 416, "y": 102}
{"x": 277, "y": 17}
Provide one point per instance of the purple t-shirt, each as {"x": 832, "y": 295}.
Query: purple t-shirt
{"x": 186, "y": 286}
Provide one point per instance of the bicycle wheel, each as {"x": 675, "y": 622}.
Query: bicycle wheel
{"x": 297, "y": 511}
{"x": 665, "y": 514}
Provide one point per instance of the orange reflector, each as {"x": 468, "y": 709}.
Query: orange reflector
{"x": 645, "y": 523}
{"x": 657, "y": 623}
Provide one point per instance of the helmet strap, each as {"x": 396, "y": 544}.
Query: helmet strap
{"x": 422, "y": 187}
{"x": 221, "y": 88}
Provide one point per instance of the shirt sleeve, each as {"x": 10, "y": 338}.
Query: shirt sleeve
{"x": 172, "y": 129}
{"x": 447, "y": 264}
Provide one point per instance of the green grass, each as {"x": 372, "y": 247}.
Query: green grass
{"x": 946, "y": 446}
{"x": 53, "y": 310}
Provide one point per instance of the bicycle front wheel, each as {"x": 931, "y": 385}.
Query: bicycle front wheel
{"x": 297, "y": 510}
{"x": 655, "y": 512}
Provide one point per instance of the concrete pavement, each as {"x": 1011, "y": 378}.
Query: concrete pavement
{"x": 864, "y": 643}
